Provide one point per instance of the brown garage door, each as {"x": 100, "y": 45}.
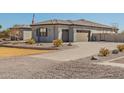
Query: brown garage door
{"x": 82, "y": 36}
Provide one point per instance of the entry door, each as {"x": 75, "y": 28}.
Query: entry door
{"x": 65, "y": 35}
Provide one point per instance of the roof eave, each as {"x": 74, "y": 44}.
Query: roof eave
{"x": 74, "y": 25}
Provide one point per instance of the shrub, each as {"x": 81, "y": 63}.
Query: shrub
{"x": 30, "y": 41}
{"x": 115, "y": 51}
{"x": 104, "y": 52}
{"x": 120, "y": 47}
{"x": 57, "y": 42}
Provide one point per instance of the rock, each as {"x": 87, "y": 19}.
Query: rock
{"x": 115, "y": 51}
{"x": 94, "y": 58}
{"x": 39, "y": 44}
{"x": 69, "y": 44}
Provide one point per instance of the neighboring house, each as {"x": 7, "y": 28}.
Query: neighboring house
{"x": 20, "y": 32}
{"x": 69, "y": 30}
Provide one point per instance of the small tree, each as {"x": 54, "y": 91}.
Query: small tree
{"x": 5, "y": 34}
{"x": 16, "y": 25}
{"x": 0, "y": 26}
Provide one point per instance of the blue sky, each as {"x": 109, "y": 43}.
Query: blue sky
{"x": 9, "y": 19}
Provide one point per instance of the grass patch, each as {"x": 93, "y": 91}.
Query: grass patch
{"x": 10, "y": 52}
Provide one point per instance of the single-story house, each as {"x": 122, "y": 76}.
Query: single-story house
{"x": 21, "y": 32}
{"x": 69, "y": 30}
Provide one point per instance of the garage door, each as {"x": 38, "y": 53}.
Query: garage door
{"x": 82, "y": 36}
{"x": 27, "y": 35}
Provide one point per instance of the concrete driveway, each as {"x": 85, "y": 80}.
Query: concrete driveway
{"x": 84, "y": 49}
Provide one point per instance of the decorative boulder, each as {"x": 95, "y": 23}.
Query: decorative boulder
{"x": 115, "y": 51}
{"x": 39, "y": 44}
{"x": 69, "y": 44}
{"x": 94, "y": 58}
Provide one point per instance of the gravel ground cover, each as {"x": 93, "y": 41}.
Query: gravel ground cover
{"x": 81, "y": 69}
{"x": 40, "y": 68}
{"x": 22, "y": 67}
{"x": 109, "y": 57}
{"x": 34, "y": 68}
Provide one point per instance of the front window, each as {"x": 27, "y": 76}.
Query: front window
{"x": 42, "y": 32}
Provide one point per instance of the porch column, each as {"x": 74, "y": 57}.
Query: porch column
{"x": 71, "y": 34}
{"x": 74, "y": 35}
{"x": 59, "y": 33}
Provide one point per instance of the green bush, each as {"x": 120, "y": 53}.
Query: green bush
{"x": 104, "y": 52}
{"x": 0, "y": 26}
{"x": 5, "y": 34}
{"x": 120, "y": 47}
{"x": 30, "y": 41}
{"x": 57, "y": 42}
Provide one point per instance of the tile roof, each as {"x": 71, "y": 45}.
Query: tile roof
{"x": 21, "y": 26}
{"x": 81, "y": 22}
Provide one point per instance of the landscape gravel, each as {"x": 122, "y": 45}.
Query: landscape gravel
{"x": 81, "y": 70}
{"x": 34, "y": 68}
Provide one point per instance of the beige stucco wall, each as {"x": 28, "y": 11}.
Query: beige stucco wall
{"x": 27, "y": 35}
{"x": 61, "y": 27}
{"x": 113, "y": 37}
{"x": 55, "y": 31}
{"x": 51, "y": 35}
{"x": 100, "y": 32}
{"x": 92, "y": 30}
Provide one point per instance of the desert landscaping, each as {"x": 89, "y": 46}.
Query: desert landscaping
{"x": 70, "y": 63}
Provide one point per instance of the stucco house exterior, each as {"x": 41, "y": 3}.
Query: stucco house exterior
{"x": 69, "y": 30}
{"x": 20, "y": 32}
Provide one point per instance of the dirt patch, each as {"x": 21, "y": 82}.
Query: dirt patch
{"x": 10, "y": 52}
